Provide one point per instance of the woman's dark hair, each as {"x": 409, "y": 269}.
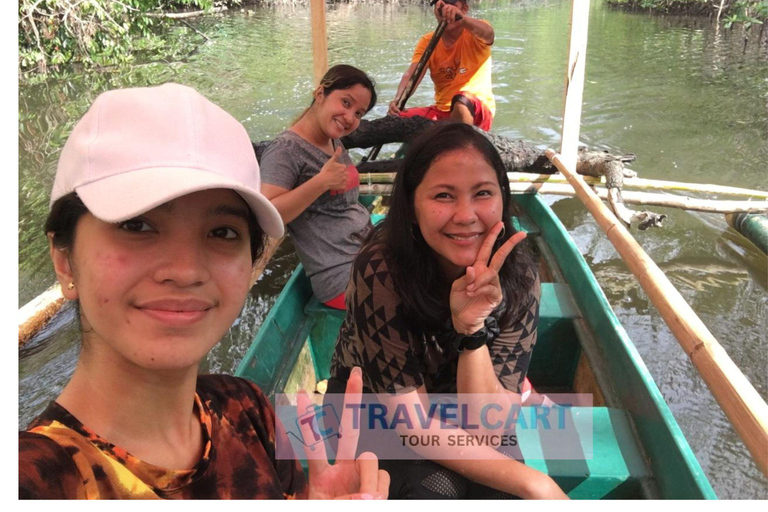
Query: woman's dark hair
{"x": 417, "y": 275}
{"x": 344, "y": 76}
{"x": 67, "y": 210}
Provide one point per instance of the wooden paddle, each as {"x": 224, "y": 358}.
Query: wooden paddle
{"x": 410, "y": 87}
{"x": 746, "y": 410}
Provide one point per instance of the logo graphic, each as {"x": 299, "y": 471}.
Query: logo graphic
{"x": 528, "y": 427}
{"x": 449, "y": 73}
{"x": 310, "y": 422}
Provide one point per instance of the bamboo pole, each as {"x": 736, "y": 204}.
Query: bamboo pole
{"x": 644, "y": 184}
{"x": 381, "y": 184}
{"x": 639, "y": 183}
{"x": 36, "y": 313}
{"x": 574, "y": 81}
{"x": 746, "y": 410}
{"x": 743, "y": 406}
{"x": 319, "y": 39}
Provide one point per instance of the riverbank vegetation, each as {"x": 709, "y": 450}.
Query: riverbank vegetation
{"x": 103, "y": 33}
{"x": 729, "y": 12}
{"x": 99, "y": 34}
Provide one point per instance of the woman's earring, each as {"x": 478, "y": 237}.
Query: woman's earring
{"x": 71, "y": 286}
{"x": 503, "y": 231}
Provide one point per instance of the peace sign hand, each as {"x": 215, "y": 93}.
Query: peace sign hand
{"x": 478, "y": 292}
{"x": 347, "y": 478}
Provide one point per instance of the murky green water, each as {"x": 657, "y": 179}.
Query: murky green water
{"x": 690, "y": 100}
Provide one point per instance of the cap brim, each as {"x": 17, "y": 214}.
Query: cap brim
{"x": 123, "y": 196}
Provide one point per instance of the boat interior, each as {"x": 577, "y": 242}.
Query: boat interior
{"x": 581, "y": 348}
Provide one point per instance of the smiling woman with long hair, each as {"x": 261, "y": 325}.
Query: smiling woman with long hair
{"x": 156, "y": 220}
{"x": 310, "y": 178}
{"x": 444, "y": 298}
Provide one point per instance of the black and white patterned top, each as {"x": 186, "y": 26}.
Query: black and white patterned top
{"x": 376, "y": 337}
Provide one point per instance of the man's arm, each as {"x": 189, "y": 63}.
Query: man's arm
{"x": 450, "y": 13}
{"x": 480, "y": 29}
{"x": 393, "y": 110}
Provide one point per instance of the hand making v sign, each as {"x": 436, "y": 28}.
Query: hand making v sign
{"x": 347, "y": 478}
{"x": 478, "y": 292}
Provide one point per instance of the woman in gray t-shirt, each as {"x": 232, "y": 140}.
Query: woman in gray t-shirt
{"x": 309, "y": 177}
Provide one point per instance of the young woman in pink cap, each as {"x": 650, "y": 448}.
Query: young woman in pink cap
{"x": 310, "y": 178}
{"x": 156, "y": 220}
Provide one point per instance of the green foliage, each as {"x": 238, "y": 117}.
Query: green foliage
{"x": 97, "y": 33}
{"x": 748, "y": 12}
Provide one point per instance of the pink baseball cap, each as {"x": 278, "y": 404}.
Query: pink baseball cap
{"x": 136, "y": 149}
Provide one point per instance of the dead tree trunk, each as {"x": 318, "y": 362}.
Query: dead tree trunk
{"x": 517, "y": 155}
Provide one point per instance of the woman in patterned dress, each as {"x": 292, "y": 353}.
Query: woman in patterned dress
{"x": 440, "y": 302}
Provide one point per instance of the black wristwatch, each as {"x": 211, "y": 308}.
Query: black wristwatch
{"x": 458, "y": 342}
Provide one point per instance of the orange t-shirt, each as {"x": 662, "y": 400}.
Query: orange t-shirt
{"x": 465, "y": 66}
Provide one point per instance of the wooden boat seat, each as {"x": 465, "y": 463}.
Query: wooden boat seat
{"x": 614, "y": 469}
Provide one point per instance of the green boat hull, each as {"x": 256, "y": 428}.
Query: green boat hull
{"x": 638, "y": 449}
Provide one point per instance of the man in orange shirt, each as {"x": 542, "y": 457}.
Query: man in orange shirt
{"x": 460, "y": 68}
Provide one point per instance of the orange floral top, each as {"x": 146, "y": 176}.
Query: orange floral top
{"x": 59, "y": 457}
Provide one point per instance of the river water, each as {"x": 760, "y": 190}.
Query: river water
{"x": 691, "y": 100}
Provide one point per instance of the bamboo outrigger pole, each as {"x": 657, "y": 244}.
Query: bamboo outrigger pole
{"x": 644, "y": 184}
{"x": 380, "y": 183}
{"x": 746, "y": 410}
{"x": 319, "y": 39}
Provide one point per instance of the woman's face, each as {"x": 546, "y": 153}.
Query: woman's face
{"x": 456, "y": 204}
{"x": 160, "y": 290}
{"x": 340, "y": 111}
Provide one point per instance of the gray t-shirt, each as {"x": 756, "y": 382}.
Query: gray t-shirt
{"x": 328, "y": 234}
